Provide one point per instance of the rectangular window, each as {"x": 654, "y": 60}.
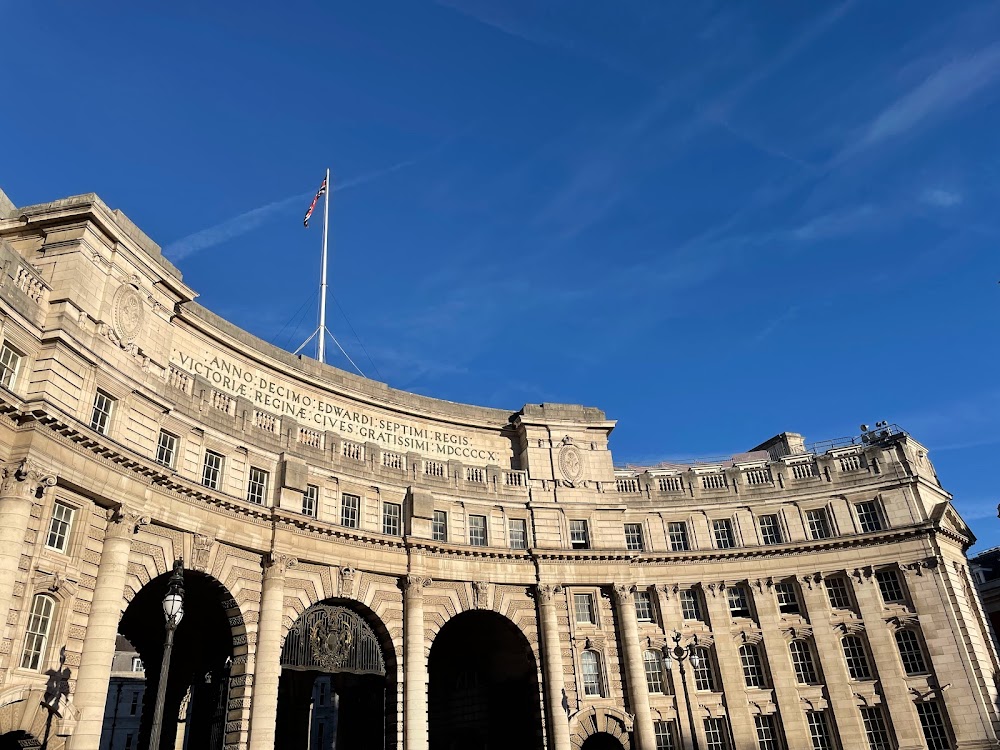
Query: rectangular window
{"x": 788, "y": 598}
{"x": 875, "y": 729}
{"x": 592, "y": 682}
{"x": 767, "y": 737}
{"x": 717, "y": 734}
{"x": 129, "y": 737}
{"x": 722, "y": 528}
{"x": 802, "y": 662}
{"x": 839, "y": 592}
{"x": 166, "y": 449}
{"x": 643, "y": 606}
{"x": 890, "y": 587}
{"x": 678, "y": 533}
{"x": 739, "y": 602}
{"x": 770, "y": 529}
{"x": 579, "y": 537}
{"x": 704, "y": 674}
{"x": 439, "y": 526}
{"x": 392, "y": 519}
{"x": 869, "y": 516}
{"x": 856, "y": 657}
{"x": 691, "y": 605}
{"x": 59, "y": 527}
{"x": 134, "y": 705}
{"x": 517, "y": 529}
{"x": 211, "y": 470}
{"x": 910, "y": 652}
{"x": 37, "y": 636}
{"x": 257, "y": 486}
{"x": 819, "y": 524}
{"x": 137, "y": 664}
{"x": 583, "y": 605}
{"x": 819, "y": 730}
{"x": 932, "y": 722}
{"x": 310, "y": 500}
{"x": 10, "y": 365}
{"x": 753, "y": 670}
{"x": 477, "y": 531}
{"x": 664, "y": 732}
{"x": 633, "y": 537}
{"x": 350, "y": 510}
{"x": 100, "y": 417}
{"x": 653, "y": 662}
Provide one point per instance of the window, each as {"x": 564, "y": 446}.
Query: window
{"x": 322, "y": 692}
{"x": 10, "y": 365}
{"x": 664, "y": 732}
{"x": 678, "y": 534}
{"x": 819, "y": 730}
{"x": 653, "y": 662}
{"x": 134, "y": 705}
{"x": 439, "y": 526}
{"x": 518, "y": 530}
{"x": 101, "y": 416}
{"x": 704, "y": 675}
{"x": 770, "y": 529}
{"x": 211, "y": 470}
{"x": 869, "y": 517}
{"x": 910, "y": 652}
{"x": 788, "y": 598}
{"x": 819, "y": 524}
{"x": 128, "y": 741}
{"x": 59, "y": 527}
{"x": 392, "y": 519}
{"x": 739, "y": 604}
{"x": 310, "y": 500}
{"x": 803, "y": 663}
{"x": 875, "y": 729}
{"x": 477, "y": 531}
{"x": 579, "y": 537}
{"x": 633, "y": 537}
{"x": 257, "y": 486}
{"x": 857, "y": 658}
{"x": 36, "y": 639}
{"x": 753, "y": 670}
{"x": 350, "y": 510}
{"x": 592, "y": 682}
{"x": 932, "y": 722}
{"x": 643, "y": 606}
{"x": 583, "y": 605}
{"x": 137, "y": 664}
{"x": 722, "y": 528}
{"x": 839, "y": 592}
{"x": 166, "y": 449}
{"x": 691, "y": 605}
{"x": 767, "y": 737}
{"x": 890, "y": 586}
{"x": 717, "y": 734}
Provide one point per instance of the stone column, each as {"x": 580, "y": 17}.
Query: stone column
{"x": 414, "y": 664}
{"x": 267, "y": 654}
{"x": 624, "y": 596}
{"x": 555, "y": 687}
{"x": 94, "y": 674}
{"x": 19, "y": 484}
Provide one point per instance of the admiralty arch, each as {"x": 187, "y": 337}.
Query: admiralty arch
{"x": 364, "y": 567}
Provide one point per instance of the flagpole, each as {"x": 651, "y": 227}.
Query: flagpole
{"x": 322, "y": 286}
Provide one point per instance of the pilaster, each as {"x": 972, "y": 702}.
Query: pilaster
{"x": 555, "y": 688}
{"x": 414, "y": 663}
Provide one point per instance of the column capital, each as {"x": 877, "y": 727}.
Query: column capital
{"x": 24, "y": 478}
{"x": 546, "y": 591}
{"x": 124, "y": 521}
{"x": 623, "y": 593}
{"x": 277, "y": 564}
{"x": 415, "y": 584}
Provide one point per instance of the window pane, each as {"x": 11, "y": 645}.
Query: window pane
{"x": 653, "y": 662}
{"x": 101, "y": 415}
{"x": 788, "y": 598}
{"x": 837, "y": 589}
{"x": 392, "y": 519}
{"x": 723, "y": 531}
{"x": 592, "y": 682}
{"x": 643, "y": 606}
{"x": 802, "y": 662}
{"x": 37, "y": 635}
{"x": 664, "y": 731}
{"x": 633, "y": 537}
{"x": 910, "y": 652}
{"x": 439, "y": 526}
{"x": 166, "y": 449}
{"x": 690, "y": 605}
{"x": 257, "y": 486}
{"x": 310, "y": 500}
{"x": 62, "y": 521}
{"x": 717, "y": 734}
{"x": 767, "y": 737}
{"x": 869, "y": 517}
{"x": 932, "y": 722}
{"x": 819, "y": 730}
{"x": 518, "y": 530}
{"x": 704, "y": 675}
{"x": 857, "y": 658}
{"x": 770, "y": 530}
{"x": 677, "y": 531}
{"x": 890, "y": 586}
{"x": 584, "y": 607}
{"x": 477, "y": 531}
{"x": 10, "y": 364}
{"x": 875, "y": 729}
{"x": 211, "y": 472}
{"x": 578, "y": 536}
{"x": 350, "y": 510}
{"x": 753, "y": 672}
{"x": 739, "y": 604}
{"x": 819, "y": 524}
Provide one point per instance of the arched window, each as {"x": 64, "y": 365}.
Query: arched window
{"x": 802, "y": 662}
{"x": 704, "y": 673}
{"x": 593, "y": 682}
{"x": 753, "y": 668}
{"x": 857, "y": 657}
{"x": 37, "y": 637}
{"x": 911, "y": 652}
{"x": 653, "y": 662}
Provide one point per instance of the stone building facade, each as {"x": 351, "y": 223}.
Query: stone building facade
{"x": 459, "y": 576}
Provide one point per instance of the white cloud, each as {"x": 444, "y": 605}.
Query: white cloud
{"x": 941, "y": 197}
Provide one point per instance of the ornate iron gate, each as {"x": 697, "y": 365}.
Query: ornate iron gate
{"x": 333, "y": 639}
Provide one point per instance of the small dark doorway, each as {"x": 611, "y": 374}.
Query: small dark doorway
{"x": 601, "y": 741}
{"x": 18, "y": 741}
{"x": 483, "y": 692}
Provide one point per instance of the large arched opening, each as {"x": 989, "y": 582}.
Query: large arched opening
{"x": 483, "y": 692}
{"x": 18, "y": 740}
{"x": 197, "y": 696}
{"x": 601, "y": 741}
{"x": 338, "y": 681}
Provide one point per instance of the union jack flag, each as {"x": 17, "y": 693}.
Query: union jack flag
{"x": 312, "y": 206}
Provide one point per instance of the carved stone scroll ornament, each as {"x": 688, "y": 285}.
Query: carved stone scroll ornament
{"x": 277, "y": 564}
{"x": 623, "y": 593}
{"x": 546, "y": 592}
{"x": 24, "y": 478}
{"x": 415, "y": 584}
{"x": 124, "y": 521}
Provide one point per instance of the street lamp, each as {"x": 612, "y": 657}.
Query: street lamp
{"x": 681, "y": 654}
{"x": 173, "y": 610}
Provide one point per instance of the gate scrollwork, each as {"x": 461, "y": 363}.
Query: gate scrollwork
{"x": 333, "y": 639}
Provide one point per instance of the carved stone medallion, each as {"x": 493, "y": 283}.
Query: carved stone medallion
{"x": 570, "y": 462}
{"x": 127, "y": 313}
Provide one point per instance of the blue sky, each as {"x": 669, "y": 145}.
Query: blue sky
{"x": 716, "y": 221}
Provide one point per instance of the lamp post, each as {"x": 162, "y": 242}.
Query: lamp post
{"x": 681, "y": 654}
{"x": 173, "y": 610}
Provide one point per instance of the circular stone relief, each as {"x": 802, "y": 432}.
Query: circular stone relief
{"x": 571, "y": 462}
{"x": 128, "y": 312}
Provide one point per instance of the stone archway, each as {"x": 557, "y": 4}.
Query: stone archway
{"x": 601, "y": 741}
{"x": 23, "y": 720}
{"x": 483, "y": 686}
{"x": 338, "y": 680}
{"x": 605, "y": 722}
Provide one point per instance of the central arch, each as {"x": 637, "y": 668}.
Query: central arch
{"x": 483, "y": 686}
